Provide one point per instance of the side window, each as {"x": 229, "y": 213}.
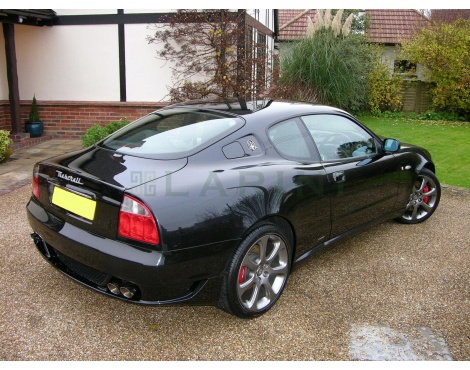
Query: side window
{"x": 337, "y": 137}
{"x": 289, "y": 140}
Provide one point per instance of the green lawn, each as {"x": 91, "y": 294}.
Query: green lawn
{"x": 448, "y": 143}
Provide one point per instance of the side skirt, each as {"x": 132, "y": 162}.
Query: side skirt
{"x": 348, "y": 234}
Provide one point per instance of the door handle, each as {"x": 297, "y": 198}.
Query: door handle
{"x": 339, "y": 176}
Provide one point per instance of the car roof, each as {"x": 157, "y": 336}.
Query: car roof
{"x": 266, "y": 109}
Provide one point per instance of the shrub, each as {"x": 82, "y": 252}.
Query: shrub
{"x": 5, "y": 148}
{"x": 116, "y": 125}
{"x": 443, "y": 48}
{"x": 425, "y": 116}
{"x": 93, "y": 135}
{"x": 34, "y": 113}
{"x": 384, "y": 87}
{"x": 441, "y": 116}
{"x": 98, "y": 132}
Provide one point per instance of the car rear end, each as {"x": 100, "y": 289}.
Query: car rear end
{"x": 89, "y": 223}
{"x": 97, "y": 234}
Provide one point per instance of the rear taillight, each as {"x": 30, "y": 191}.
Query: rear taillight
{"x": 36, "y": 181}
{"x": 136, "y": 222}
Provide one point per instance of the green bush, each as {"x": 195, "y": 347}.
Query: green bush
{"x": 98, "y": 132}
{"x": 440, "y": 116}
{"x": 93, "y": 135}
{"x": 5, "y": 142}
{"x": 384, "y": 87}
{"x": 443, "y": 49}
{"x": 425, "y": 116}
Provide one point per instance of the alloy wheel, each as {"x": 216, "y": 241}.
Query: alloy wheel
{"x": 424, "y": 198}
{"x": 263, "y": 273}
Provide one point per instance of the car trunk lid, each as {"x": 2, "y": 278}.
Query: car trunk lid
{"x": 86, "y": 188}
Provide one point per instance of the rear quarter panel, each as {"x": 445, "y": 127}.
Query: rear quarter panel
{"x": 209, "y": 202}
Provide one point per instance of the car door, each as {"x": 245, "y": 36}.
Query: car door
{"x": 363, "y": 179}
{"x": 306, "y": 203}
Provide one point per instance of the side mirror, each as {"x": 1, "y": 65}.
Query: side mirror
{"x": 391, "y": 145}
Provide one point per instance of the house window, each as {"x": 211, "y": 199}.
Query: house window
{"x": 249, "y": 47}
{"x": 404, "y": 67}
{"x": 249, "y": 51}
{"x": 261, "y": 47}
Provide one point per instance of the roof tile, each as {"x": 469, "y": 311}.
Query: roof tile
{"x": 297, "y": 29}
{"x": 388, "y": 26}
{"x": 393, "y": 26}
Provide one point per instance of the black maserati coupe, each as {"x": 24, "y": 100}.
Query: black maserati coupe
{"x": 212, "y": 203}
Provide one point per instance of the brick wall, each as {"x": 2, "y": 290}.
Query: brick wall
{"x": 70, "y": 120}
{"x": 4, "y": 116}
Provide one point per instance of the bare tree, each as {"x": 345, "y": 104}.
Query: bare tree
{"x": 213, "y": 54}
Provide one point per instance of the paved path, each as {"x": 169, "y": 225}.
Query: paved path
{"x": 17, "y": 171}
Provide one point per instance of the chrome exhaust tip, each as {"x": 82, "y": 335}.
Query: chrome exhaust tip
{"x": 113, "y": 288}
{"x": 128, "y": 291}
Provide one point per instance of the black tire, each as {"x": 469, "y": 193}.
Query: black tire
{"x": 258, "y": 273}
{"x": 424, "y": 198}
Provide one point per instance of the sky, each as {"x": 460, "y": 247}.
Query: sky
{"x": 243, "y": 4}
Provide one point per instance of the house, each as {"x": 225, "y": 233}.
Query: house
{"x": 89, "y": 66}
{"x": 390, "y": 27}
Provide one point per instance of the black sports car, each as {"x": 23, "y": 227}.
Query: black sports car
{"x": 214, "y": 204}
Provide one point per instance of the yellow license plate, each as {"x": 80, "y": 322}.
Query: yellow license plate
{"x": 74, "y": 203}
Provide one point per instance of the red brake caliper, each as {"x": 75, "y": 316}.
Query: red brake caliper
{"x": 241, "y": 276}
{"x": 425, "y": 190}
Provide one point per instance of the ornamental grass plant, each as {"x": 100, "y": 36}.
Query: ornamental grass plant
{"x": 330, "y": 60}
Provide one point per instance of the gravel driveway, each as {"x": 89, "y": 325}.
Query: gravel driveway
{"x": 393, "y": 292}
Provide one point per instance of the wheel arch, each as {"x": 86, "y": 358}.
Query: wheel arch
{"x": 284, "y": 224}
{"x": 430, "y": 166}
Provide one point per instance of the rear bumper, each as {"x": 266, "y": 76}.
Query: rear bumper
{"x": 159, "y": 278}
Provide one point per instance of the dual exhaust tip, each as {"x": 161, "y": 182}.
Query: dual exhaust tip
{"x": 127, "y": 291}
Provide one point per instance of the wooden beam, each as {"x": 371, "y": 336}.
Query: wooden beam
{"x": 241, "y": 48}
{"x": 12, "y": 76}
{"x": 306, "y": 11}
{"x": 122, "y": 59}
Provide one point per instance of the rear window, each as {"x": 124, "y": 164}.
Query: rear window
{"x": 173, "y": 133}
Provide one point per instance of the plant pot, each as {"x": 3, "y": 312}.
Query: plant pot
{"x": 35, "y": 129}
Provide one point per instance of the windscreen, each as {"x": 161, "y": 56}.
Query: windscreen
{"x": 173, "y": 133}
